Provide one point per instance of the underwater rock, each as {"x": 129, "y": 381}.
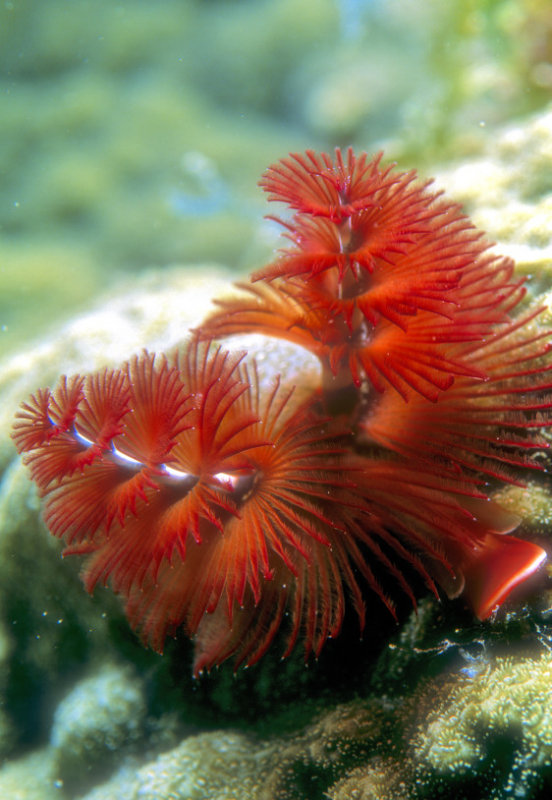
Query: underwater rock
{"x": 506, "y": 191}
{"x": 99, "y": 721}
{"x": 218, "y": 766}
{"x": 30, "y": 778}
{"x": 232, "y": 766}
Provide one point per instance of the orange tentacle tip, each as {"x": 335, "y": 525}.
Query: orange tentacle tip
{"x": 228, "y": 508}
{"x": 495, "y": 567}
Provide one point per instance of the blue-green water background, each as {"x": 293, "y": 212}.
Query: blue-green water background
{"x": 133, "y": 133}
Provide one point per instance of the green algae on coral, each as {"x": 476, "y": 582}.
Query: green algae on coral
{"x": 499, "y": 719}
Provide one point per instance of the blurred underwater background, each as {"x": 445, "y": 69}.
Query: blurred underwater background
{"x": 134, "y": 132}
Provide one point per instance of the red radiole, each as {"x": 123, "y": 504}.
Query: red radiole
{"x": 213, "y": 505}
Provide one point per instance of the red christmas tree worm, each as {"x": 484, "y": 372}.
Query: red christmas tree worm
{"x": 383, "y": 277}
{"x": 391, "y": 286}
{"x": 212, "y": 503}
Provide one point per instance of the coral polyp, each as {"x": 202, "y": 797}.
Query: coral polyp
{"x": 229, "y": 506}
